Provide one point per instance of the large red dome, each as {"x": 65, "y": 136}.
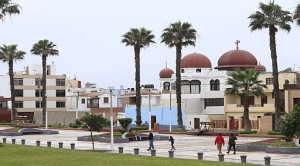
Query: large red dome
{"x": 166, "y": 73}
{"x": 233, "y": 59}
{"x": 260, "y": 67}
{"x": 195, "y": 60}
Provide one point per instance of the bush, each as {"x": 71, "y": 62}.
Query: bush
{"x": 76, "y": 124}
{"x": 125, "y": 122}
{"x": 290, "y": 124}
{"x": 248, "y": 132}
{"x": 274, "y": 133}
{"x": 139, "y": 128}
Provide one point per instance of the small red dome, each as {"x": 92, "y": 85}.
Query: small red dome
{"x": 166, "y": 73}
{"x": 260, "y": 68}
{"x": 236, "y": 59}
{"x": 195, "y": 60}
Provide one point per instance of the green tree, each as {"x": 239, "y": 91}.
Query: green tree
{"x": 179, "y": 35}
{"x": 138, "y": 38}
{"x": 245, "y": 84}
{"x": 7, "y": 7}
{"x": 9, "y": 54}
{"x": 290, "y": 124}
{"x": 270, "y": 16}
{"x": 296, "y": 16}
{"x": 92, "y": 123}
{"x": 125, "y": 122}
{"x": 45, "y": 49}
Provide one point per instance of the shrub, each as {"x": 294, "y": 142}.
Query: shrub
{"x": 139, "y": 128}
{"x": 290, "y": 124}
{"x": 77, "y": 123}
{"x": 125, "y": 122}
{"x": 274, "y": 133}
{"x": 247, "y": 132}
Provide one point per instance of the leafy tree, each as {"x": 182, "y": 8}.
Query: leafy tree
{"x": 138, "y": 38}
{"x": 245, "y": 84}
{"x": 290, "y": 124}
{"x": 9, "y": 54}
{"x": 296, "y": 16}
{"x": 45, "y": 49}
{"x": 7, "y": 7}
{"x": 92, "y": 123}
{"x": 179, "y": 35}
{"x": 125, "y": 122}
{"x": 270, "y": 16}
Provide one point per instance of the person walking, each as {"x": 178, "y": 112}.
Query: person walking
{"x": 151, "y": 140}
{"x": 172, "y": 143}
{"x": 231, "y": 143}
{"x": 219, "y": 141}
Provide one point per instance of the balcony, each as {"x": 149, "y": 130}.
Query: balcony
{"x": 252, "y": 108}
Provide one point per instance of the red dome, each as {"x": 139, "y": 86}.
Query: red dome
{"x": 195, "y": 60}
{"x": 260, "y": 68}
{"x": 166, "y": 73}
{"x": 236, "y": 59}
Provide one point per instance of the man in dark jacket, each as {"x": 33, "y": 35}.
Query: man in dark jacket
{"x": 231, "y": 143}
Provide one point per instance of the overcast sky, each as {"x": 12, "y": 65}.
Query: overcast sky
{"x": 88, "y": 35}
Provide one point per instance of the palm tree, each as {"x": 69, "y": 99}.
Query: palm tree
{"x": 272, "y": 17}
{"x": 9, "y": 54}
{"x": 245, "y": 84}
{"x": 297, "y": 15}
{"x": 45, "y": 49}
{"x": 138, "y": 38}
{"x": 179, "y": 35}
{"x": 7, "y": 7}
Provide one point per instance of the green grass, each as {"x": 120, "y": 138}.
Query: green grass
{"x": 15, "y": 155}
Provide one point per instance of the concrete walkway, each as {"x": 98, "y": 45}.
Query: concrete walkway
{"x": 187, "y": 146}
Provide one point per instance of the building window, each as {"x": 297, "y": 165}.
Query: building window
{"x": 214, "y": 102}
{"x": 93, "y": 103}
{"x": 18, "y": 81}
{"x": 38, "y": 103}
{"x": 215, "y": 85}
{"x": 3, "y": 104}
{"x": 198, "y": 70}
{"x": 38, "y": 93}
{"x": 296, "y": 101}
{"x": 60, "y": 82}
{"x": 167, "y": 86}
{"x": 82, "y": 101}
{"x": 38, "y": 82}
{"x": 60, "y": 93}
{"x": 18, "y": 92}
{"x": 212, "y": 85}
{"x": 105, "y": 99}
{"x": 185, "y": 87}
{"x": 60, "y": 104}
{"x": 19, "y": 104}
{"x": 195, "y": 86}
{"x": 182, "y": 70}
{"x": 269, "y": 81}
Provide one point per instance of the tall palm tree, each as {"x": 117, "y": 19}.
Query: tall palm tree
{"x": 272, "y": 17}
{"x": 297, "y": 15}
{"x": 245, "y": 84}
{"x": 9, "y": 54}
{"x": 138, "y": 38}
{"x": 45, "y": 49}
{"x": 179, "y": 35}
{"x": 7, "y": 7}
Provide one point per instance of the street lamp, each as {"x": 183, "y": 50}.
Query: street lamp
{"x": 45, "y": 105}
{"x": 170, "y": 111}
{"x": 111, "y": 120}
{"x": 149, "y": 110}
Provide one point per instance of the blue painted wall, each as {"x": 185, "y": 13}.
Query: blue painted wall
{"x": 162, "y": 115}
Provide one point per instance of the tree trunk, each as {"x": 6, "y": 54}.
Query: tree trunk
{"x": 272, "y": 33}
{"x": 92, "y": 140}
{"x": 12, "y": 90}
{"x": 137, "y": 85}
{"x": 247, "y": 122}
{"x": 44, "y": 80}
{"x": 178, "y": 86}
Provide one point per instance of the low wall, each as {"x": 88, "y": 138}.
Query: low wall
{"x": 58, "y": 117}
{"x": 269, "y": 149}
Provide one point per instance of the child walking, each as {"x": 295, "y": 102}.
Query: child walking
{"x": 172, "y": 143}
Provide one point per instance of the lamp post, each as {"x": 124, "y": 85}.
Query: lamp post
{"x": 149, "y": 110}
{"x": 111, "y": 120}
{"x": 45, "y": 105}
{"x": 77, "y": 101}
{"x": 170, "y": 111}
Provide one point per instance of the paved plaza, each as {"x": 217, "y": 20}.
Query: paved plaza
{"x": 187, "y": 147}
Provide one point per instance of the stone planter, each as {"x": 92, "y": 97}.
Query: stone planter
{"x": 269, "y": 149}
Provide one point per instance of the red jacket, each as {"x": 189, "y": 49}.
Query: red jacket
{"x": 219, "y": 140}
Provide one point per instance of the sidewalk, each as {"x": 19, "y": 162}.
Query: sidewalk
{"x": 187, "y": 147}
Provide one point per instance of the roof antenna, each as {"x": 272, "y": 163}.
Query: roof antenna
{"x": 166, "y": 64}
{"x": 237, "y": 42}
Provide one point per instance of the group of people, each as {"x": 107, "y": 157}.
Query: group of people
{"x": 219, "y": 141}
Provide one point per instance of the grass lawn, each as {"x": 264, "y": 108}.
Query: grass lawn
{"x": 15, "y": 155}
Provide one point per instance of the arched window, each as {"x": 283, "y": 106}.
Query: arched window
{"x": 166, "y": 86}
{"x": 217, "y": 85}
{"x": 185, "y": 87}
{"x": 195, "y": 86}
{"x": 212, "y": 85}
